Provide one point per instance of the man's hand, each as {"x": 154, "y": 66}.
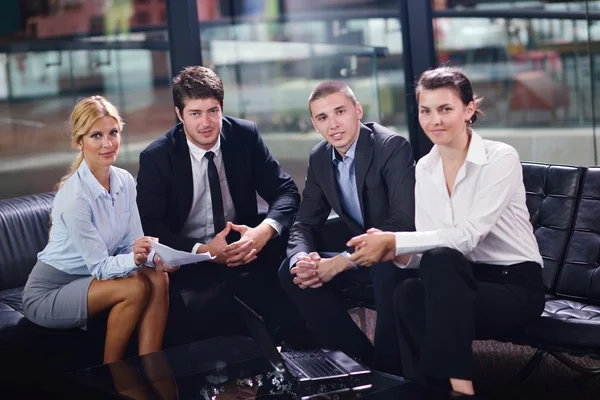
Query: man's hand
{"x": 161, "y": 266}
{"x": 250, "y": 244}
{"x": 141, "y": 248}
{"x": 312, "y": 271}
{"x": 373, "y": 247}
{"x": 305, "y": 271}
{"x": 216, "y": 246}
{"x": 330, "y": 267}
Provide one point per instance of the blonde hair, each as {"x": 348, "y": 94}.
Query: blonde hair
{"x": 84, "y": 115}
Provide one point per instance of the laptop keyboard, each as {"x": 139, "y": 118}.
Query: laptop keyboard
{"x": 313, "y": 363}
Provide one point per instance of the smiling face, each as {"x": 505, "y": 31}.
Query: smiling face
{"x": 443, "y": 115}
{"x": 337, "y": 119}
{"x": 100, "y": 146}
{"x": 202, "y": 121}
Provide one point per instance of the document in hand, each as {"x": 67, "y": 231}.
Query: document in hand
{"x": 177, "y": 257}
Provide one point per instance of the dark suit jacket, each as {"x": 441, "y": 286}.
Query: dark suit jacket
{"x": 385, "y": 180}
{"x": 165, "y": 183}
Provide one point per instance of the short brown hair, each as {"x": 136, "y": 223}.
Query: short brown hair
{"x": 197, "y": 83}
{"x": 452, "y": 78}
{"x": 331, "y": 87}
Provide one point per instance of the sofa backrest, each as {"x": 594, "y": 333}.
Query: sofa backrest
{"x": 580, "y": 275}
{"x": 24, "y": 223}
{"x": 552, "y": 195}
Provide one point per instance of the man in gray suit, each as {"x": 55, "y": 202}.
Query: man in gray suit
{"x": 365, "y": 173}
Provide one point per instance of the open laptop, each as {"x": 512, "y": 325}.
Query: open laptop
{"x": 303, "y": 366}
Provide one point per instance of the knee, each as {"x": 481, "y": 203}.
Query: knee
{"x": 138, "y": 289}
{"x": 439, "y": 260}
{"x": 160, "y": 283}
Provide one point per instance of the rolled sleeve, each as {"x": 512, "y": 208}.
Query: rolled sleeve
{"x": 195, "y": 248}
{"x": 274, "y": 224}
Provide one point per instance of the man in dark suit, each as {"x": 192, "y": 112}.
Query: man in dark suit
{"x": 365, "y": 173}
{"x": 196, "y": 192}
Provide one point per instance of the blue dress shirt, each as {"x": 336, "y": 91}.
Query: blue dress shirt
{"x": 346, "y": 180}
{"x": 93, "y": 231}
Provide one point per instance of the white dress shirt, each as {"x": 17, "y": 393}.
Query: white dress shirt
{"x": 486, "y": 218}
{"x": 200, "y": 222}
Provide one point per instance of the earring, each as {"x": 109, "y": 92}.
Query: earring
{"x": 469, "y": 122}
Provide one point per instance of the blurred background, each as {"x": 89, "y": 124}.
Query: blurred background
{"x": 534, "y": 62}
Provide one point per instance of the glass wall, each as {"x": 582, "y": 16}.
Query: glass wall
{"x": 272, "y": 53}
{"x": 54, "y": 52}
{"x": 535, "y": 64}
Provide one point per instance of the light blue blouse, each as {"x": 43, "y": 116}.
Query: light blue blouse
{"x": 93, "y": 231}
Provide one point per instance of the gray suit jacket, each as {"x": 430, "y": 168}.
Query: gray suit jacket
{"x": 385, "y": 179}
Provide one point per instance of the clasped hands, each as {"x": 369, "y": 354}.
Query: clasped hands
{"x": 373, "y": 247}
{"x": 142, "y": 248}
{"x": 243, "y": 251}
{"x": 312, "y": 271}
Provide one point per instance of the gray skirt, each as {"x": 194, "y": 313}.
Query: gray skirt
{"x": 56, "y": 299}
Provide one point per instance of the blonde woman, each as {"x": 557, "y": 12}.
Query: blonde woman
{"x": 97, "y": 257}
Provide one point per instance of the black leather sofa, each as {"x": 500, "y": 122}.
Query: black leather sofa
{"x": 564, "y": 203}
{"x": 27, "y": 348}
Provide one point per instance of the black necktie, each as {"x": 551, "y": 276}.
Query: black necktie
{"x": 215, "y": 193}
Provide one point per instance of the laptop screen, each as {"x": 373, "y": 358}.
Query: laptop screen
{"x": 260, "y": 333}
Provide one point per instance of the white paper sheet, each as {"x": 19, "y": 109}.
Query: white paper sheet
{"x": 177, "y": 257}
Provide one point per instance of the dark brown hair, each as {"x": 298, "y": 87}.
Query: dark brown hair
{"x": 330, "y": 87}
{"x": 452, "y": 78}
{"x": 197, "y": 83}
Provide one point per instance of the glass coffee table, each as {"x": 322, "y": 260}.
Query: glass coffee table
{"x": 230, "y": 368}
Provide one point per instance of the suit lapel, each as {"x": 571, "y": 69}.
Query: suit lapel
{"x": 182, "y": 171}
{"x": 362, "y": 161}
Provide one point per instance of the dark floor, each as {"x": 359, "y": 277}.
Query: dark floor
{"x": 497, "y": 363}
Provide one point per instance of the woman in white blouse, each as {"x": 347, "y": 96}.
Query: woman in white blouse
{"x": 480, "y": 266}
{"x": 97, "y": 257}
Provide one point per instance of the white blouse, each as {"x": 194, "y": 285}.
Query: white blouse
{"x": 486, "y": 218}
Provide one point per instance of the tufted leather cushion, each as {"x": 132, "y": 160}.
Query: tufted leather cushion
{"x": 571, "y": 321}
{"x": 565, "y": 325}
{"x": 551, "y": 199}
{"x": 13, "y": 324}
{"x": 24, "y": 232}
{"x": 580, "y": 275}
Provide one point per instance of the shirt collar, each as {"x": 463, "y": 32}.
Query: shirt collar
{"x": 96, "y": 189}
{"x": 199, "y": 153}
{"x": 476, "y": 153}
{"x": 336, "y": 156}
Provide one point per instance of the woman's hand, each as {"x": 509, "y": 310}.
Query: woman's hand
{"x": 373, "y": 247}
{"x": 141, "y": 248}
{"x": 161, "y": 266}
